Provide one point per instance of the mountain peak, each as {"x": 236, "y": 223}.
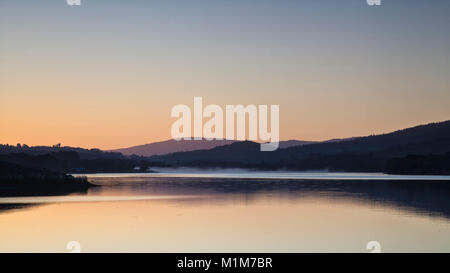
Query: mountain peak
{"x": 172, "y": 146}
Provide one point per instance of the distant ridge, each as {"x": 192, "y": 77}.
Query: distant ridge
{"x": 423, "y": 149}
{"x": 172, "y": 146}
{"x": 293, "y": 142}
{"x": 389, "y": 152}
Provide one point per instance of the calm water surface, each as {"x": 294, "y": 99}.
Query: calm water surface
{"x": 234, "y": 212}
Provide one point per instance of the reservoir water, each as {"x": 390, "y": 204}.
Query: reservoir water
{"x": 234, "y": 211}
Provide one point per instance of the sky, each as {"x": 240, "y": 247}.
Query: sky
{"x": 106, "y": 74}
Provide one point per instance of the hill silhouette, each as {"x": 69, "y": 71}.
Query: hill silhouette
{"x": 173, "y": 146}
{"x": 370, "y": 153}
{"x": 418, "y": 150}
{"x": 21, "y": 180}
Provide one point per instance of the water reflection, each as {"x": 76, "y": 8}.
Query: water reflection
{"x": 426, "y": 197}
{"x": 176, "y": 214}
{"x": 423, "y": 197}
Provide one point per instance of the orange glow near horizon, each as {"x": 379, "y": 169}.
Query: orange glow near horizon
{"x": 111, "y": 79}
{"x": 114, "y": 112}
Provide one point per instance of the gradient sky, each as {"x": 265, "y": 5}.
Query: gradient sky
{"x": 107, "y": 73}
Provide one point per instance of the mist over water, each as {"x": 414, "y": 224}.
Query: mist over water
{"x": 281, "y": 174}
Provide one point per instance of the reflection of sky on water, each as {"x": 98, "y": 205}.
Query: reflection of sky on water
{"x": 421, "y": 197}
{"x": 175, "y": 214}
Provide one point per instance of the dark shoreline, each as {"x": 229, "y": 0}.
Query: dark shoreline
{"x": 44, "y": 189}
{"x": 17, "y": 180}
